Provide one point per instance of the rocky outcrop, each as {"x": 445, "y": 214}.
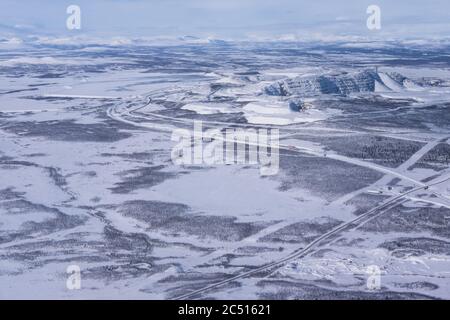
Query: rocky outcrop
{"x": 340, "y": 84}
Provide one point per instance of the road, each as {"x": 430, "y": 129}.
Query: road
{"x": 125, "y": 114}
{"x": 273, "y": 266}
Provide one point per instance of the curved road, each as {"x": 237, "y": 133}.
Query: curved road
{"x": 114, "y": 113}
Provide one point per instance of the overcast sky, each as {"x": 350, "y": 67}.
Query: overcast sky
{"x": 227, "y": 18}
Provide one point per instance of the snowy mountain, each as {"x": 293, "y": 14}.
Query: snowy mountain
{"x": 341, "y": 84}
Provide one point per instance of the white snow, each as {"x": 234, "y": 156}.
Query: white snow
{"x": 211, "y": 108}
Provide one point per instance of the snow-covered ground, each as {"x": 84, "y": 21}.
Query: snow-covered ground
{"x": 88, "y": 179}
